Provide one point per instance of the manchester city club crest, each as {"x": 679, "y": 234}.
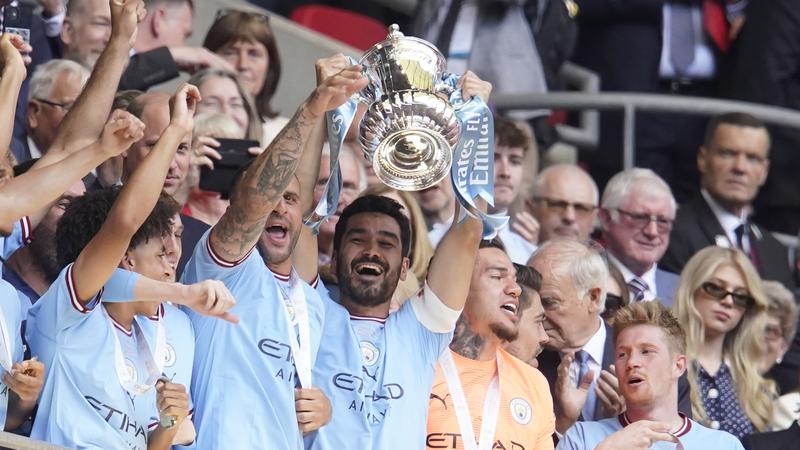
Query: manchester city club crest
{"x": 292, "y": 314}
{"x": 130, "y": 375}
{"x": 169, "y": 356}
{"x": 521, "y": 410}
{"x": 370, "y": 353}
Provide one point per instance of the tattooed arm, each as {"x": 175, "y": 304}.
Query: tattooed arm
{"x": 261, "y": 187}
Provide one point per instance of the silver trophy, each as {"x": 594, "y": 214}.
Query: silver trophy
{"x": 409, "y": 129}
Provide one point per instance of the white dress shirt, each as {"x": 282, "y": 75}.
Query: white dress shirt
{"x": 595, "y": 347}
{"x": 729, "y": 221}
{"x": 648, "y": 277}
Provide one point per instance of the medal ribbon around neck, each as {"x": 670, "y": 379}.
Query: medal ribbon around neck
{"x": 6, "y": 358}
{"x": 299, "y": 342}
{"x": 154, "y": 363}
{"x": 491, "y": 405}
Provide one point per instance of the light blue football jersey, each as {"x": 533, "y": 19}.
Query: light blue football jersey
{"x": 179, "y": 355}
{"x": 19, "y": 237}
{"x": 9, "y": 302}
{"x": 693, "y": 436}
{"x": 83, "y": 404}
{"x": 244, "y": 377}
{"x": 378, "y": 377}
{"x": 41, "y": 340}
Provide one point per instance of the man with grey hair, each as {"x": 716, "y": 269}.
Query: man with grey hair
{"x": 564, "y": 202}
{"x": 578, "y": 356}
{"x": 574, "y": 277}
{"x": 54, "y": 87}
{"x": 636, "y": 215}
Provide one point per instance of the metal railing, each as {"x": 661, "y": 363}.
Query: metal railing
{"x": 630, "y": 103}
{"x": 16, "y": 442}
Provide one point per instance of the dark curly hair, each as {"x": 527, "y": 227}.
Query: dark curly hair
{"x": 86, "y": 214}
{"x": 374, "y": 204}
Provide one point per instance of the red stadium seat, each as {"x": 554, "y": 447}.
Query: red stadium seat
{"x": 352, "y": 28}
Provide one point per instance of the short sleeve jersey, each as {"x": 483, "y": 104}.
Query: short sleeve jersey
{"x": 12, "y": 321}
{"x": 83, "y": 404}
{"x": 377, "y": 375}
{"x": 525, "y": 418}
{"x": 244, "y": 378}
{"x": 179, "y": 354}
{"x": 692, "y": 435}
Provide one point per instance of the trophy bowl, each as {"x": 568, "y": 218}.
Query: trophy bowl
{"x": 409, "y": 136}
{"x": 408, "y": 130}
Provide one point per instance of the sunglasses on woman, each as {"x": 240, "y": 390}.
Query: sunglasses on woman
{"x": 719, "y": 293}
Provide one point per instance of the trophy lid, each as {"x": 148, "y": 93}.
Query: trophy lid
{"x": 401, "y": 62}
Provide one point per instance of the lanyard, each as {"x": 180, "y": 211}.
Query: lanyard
{"x": 153, "y": 365}
{"x": 491, "y": 405}
{"x": 296, "y": 311}
{"x": 5, "y": 346}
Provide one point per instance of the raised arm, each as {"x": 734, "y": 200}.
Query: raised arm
{"x": 455, "y": 256}
{"x": 260, "y": 188}
{"x": 35, "y": 189}
{"x": 12, "y": 74}
{"x": 84, "y": 121}
{"x": 304, "y": 255}
{"x": 136, "y": 200}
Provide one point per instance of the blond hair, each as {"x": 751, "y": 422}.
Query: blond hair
{"x": 651, "y": 313}
{"x": 742, "y": 347}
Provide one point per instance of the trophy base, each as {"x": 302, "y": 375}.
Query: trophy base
{"x": 412, "y": 159}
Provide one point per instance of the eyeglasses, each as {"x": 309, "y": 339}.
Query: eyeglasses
{"x": 719, "y": 293}
{"x": 641, "y": 220}
{"x": 225, "y": 12}
{"x": 773, "y": 332}
{"x": 560, "y": 206}
{"x": 66, "y": 106}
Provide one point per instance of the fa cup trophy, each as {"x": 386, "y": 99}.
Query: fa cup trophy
{"x": 409, "y": 130}
{"x": 417, "y": 129}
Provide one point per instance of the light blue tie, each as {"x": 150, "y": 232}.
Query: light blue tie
{"x": 582, "y": 357}
{"x": 638, "y": 287}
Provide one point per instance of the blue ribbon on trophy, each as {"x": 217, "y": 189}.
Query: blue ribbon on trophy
{"x": 338, "y": 122}
{"x": 472, "y": 172}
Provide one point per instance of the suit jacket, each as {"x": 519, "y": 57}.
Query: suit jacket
{"x": 548, "y": 365}
{"x": 774, "y": 440}
{"x": 666, "y": 282}
{"x": 696, "y": 227}
{"x": 764, "y": 67}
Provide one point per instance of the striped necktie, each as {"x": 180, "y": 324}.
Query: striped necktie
{"x": 637, "y": 287}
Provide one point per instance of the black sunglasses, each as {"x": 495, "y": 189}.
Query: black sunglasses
{"x": 719, "y": 293}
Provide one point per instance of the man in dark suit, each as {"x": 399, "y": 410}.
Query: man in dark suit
{"x": 614, "y": 33}
{"x": 733, "y": 162}
{"x": 580, "y": 349}
{"x": 764, "y": 67}
{"x": 774, "y": 440}
{"x": 636, "y": 214}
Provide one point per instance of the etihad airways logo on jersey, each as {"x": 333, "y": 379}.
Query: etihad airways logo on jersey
{"x": 281, "y": 352}
{"x": 451, "y": 440}
{"x": 117, "y": 418}
{"x": 374, "y": 404}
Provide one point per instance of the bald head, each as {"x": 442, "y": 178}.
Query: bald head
{"x": 564, "y": 200}
{"x": 153, "y": 110}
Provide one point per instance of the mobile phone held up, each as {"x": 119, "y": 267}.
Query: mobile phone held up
{"x": 18, "y": 20}
{"x": 235, "y": 157}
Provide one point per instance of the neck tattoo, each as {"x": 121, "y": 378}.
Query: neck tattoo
{"x": 465, "y": 342}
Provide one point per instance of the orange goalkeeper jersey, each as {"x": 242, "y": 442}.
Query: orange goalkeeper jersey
{"x": 525, "y": 420}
